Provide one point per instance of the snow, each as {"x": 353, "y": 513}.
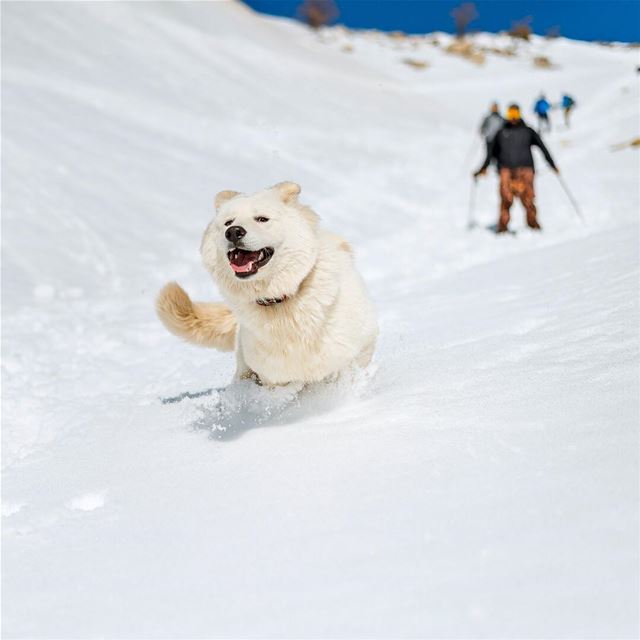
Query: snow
{"x": 479, "y": 480}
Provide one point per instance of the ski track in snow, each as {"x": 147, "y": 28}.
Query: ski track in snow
{"x": 480, "y": 479}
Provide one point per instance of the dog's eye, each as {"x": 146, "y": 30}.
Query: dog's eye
{"x": 261, "y": 219}
{"x": 228, "y": 222}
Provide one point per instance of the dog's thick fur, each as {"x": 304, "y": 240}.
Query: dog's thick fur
{"x": 325, "y": 321}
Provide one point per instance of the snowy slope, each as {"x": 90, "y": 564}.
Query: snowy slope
{"x": 480, "y": 480}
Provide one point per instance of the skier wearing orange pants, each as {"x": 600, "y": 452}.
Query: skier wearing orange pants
{"x": 512, "y": 149}
{"x": 517, "y": 183}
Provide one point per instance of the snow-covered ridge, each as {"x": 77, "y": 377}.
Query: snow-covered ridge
{"x": 479, "y": 481}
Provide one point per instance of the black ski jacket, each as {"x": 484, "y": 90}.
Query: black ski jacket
{"x": 512, "y": 147}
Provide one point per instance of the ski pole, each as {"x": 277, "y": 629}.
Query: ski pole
{"x": 472, "y": 204}
{"x": 571, "y": 198}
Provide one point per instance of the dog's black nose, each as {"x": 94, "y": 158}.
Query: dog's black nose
{"x": 233, "y": 234}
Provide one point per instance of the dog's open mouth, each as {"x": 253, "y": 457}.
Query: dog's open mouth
{"x": 246, "y": 263}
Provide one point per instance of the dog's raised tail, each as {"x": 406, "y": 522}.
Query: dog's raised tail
{"x": 208, "y": 324}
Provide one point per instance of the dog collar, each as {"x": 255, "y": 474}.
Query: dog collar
{"x": 267, "y": 302}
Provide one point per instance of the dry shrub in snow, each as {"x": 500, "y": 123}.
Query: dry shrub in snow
{"x": 507, "y": 52}
{"x": 542, "y": 62}
{"x": 318, "y": 13}
{"x": 462, "y": 16}
{"x": 521, "y": 29}
{"x": 552, "y": 33}
{"x": 467, "y": 50}
{"x": 634, "y": 142}
{"x": 416, "y": 64}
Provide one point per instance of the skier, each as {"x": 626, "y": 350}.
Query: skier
{"x": 567, "y": 104}
{"x": 491, "y": 124}
{"x": 541, "y": 109}
{"x": 512, "y": 150}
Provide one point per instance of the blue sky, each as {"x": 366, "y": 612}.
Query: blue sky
{"x": 581, "y": 19}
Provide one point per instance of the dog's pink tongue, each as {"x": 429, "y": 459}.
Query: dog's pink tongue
{"x": 242, "y": 261}
{"x": 242, "y": 268}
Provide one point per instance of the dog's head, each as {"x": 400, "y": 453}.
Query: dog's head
{"x": 266, "y": 240}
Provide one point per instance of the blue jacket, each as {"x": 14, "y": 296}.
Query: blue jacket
{"x": 567, "y": 101}
{"x": 542, "y": 106}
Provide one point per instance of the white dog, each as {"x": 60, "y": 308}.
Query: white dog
{"x": 298, "y": 310}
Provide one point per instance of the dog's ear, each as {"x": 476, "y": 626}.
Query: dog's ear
{"x": 223, "y": 196}
{"x": 288, "y": 191}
